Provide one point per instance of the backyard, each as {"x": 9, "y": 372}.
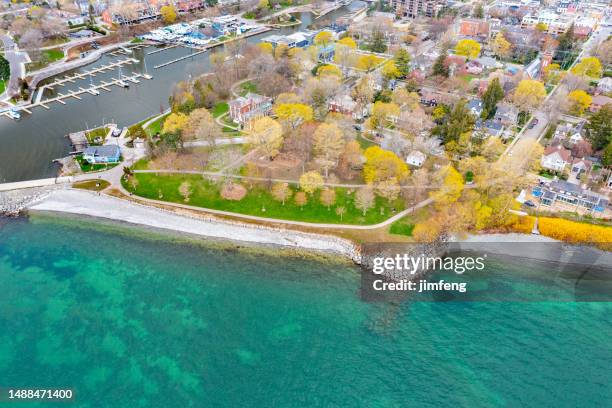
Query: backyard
{"x": 259, "y": 201}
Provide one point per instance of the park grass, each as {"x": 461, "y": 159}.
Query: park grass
{"x": 92, "y": 185}
{"x": 259, "y": 201}
{"x": 156, "y": 126}
{"x": 247, "y": 87}
{"x": 47, "y": 57}
{"x": 2, "y": 86}
{"x": 219, "y": 109}
{"x": 402, "y": 227}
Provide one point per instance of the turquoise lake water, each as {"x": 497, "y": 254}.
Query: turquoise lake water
{"x": 135, "y": 318}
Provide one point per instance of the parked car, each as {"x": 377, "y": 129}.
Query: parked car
{"x": 530, "y": 203}
{"x": 532, "y": 124}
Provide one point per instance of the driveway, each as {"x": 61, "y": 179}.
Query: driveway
{"x": 16, "y": 59}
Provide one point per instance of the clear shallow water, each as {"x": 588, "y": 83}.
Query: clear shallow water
{"x": 129, "y": 317}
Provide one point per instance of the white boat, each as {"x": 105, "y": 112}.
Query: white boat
{"x": 13, "y": 114}
{"x": 133, "y": 80}
{"x": 121, "y": 82}
{"x": 91, "y": 90}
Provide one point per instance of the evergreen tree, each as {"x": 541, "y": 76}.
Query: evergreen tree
{"x": 378, "y": 42}
{"x": 478, "y": 11}
{"x": 402, "y": 62}
{"x": 455, "y": 123}
{"x": 439, "y": 68}
{"x": 567, "y": 41}
{"x": 599, "y": 128}
{"x": 491, "y": 97}
{"x": 92, "y": 19}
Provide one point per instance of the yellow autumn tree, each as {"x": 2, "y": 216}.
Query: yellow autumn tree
{"x": 311, "y": 182}
{"x": 501, "y": 46}
{"x": 323, "y": 38}
{"x": 390, "y": 71}
{"x": 329, "y": 70}
{"x": 328, "y": 141}
{"x": 579, "y": 101}
{"x": 266, "y": 48}
{"x": 588, "y": 67}
{"x": 266, "y": 134}
{"x": 175, "y": 122}
{"x": 451, "y": 186}
{"x": 382, "y": 113}
{"x": 348, "y": 41}
{"x": 529, "y": 94}
{"x": 383, "y": 165}
{"x": 368, "y": 62}
{"x": 293, "y": 114}
{"x": 168, "y": 14}
{"x": 467, "y": 48}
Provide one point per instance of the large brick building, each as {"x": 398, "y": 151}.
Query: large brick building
{"x": 414, "y": 8}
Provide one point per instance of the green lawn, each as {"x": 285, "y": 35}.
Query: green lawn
{"x": 93, "y": 185}
{"x": 87, "y": 167}
{"x": 156, "y": 126}
{"x": 219, "y": 109}
{"x": 2, "y": 86}
{"x": 402, "y": 227}
{"x": 247, "y": 87}
{"x": 47, "y": 57}
{"x": 94, "y": 134}
{"x": 259, "y": 201}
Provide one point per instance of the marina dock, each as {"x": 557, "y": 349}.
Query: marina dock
{"x": 61, "y": 97}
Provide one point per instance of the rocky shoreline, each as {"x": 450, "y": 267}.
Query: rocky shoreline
{"x": 14, "y": 202}
{"x": 87, "y": 203}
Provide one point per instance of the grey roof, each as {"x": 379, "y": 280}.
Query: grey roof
{"x": 106, "y": 150}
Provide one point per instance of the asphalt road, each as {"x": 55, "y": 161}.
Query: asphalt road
{"x": 16, "y": 60}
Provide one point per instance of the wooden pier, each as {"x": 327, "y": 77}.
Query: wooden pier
{"x": 61, "y": 97}
{"x": 180, "y": 58}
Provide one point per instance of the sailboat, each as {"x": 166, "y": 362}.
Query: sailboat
{"x": 91, "y": 89}
{"x": 146, "y": 74}
{"x": 121, "y": 82}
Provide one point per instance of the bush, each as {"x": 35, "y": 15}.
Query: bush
{"x": 233, "y": 191}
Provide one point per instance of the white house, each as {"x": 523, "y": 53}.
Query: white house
{"x": 416, "y": 158}
{"x": 556, "y": 158}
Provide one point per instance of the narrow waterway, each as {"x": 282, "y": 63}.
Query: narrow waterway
{"x": 29, "y": 146}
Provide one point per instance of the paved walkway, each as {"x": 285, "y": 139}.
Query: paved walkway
{"x": 17, "y": 60}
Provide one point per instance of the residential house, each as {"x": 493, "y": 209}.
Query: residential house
{"x": 475, "y": 106}
{"x": 506, "y": 114}
{"x": 488, "y": 128}
{"x": 489, "y": 63}
{"x": 581, "y": 166}
{"x": 416, "y": 158}
{"x": 429, "y": 99}
{"x": 572, "y": 194}
{"x": 604, "y": 85}
{"x": 575, "y": 138}
{"x": 599, "y": 102}
{"x": 474, "y": 28}
{"x": 347, "y": 106}
{"x": 251, "y": 106}
{"x": 556, "y": 158}
{"x": 102, "y": 154}
{"x": 473, "y": 67}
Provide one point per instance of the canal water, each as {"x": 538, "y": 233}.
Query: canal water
{"x": 29, "y": 146}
